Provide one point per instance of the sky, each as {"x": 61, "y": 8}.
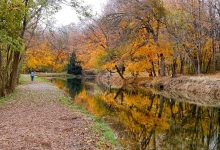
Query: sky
{"x": 67, "y": 15}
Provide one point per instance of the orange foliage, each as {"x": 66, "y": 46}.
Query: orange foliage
{"x": 43, "y": 58}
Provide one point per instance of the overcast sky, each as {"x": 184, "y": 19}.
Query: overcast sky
{"x": 67, "y": 15}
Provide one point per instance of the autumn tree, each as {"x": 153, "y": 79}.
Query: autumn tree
{"x": 135, "y": 24}
{"x": 74, "y": 66}
{"x": 156, "y": 37}
{"x": 192, "y": 28}
{"x": 11, "y": 16}
{"x": 19, "y": 20}
{"x": 44, "y": 58}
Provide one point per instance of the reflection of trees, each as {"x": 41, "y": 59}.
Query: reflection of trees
{"x": 156, "y": 122}
{"x": 74, "y": 85}
{"x": 60, "y": 83}
{"x": 151, "y": 121}
{"x": 120, "y": 95}
{"x": 161, "y": 106}
{"x": 132, "y": 114}
{"x": 71, "y": 85}
{"x": 193, "y": 127}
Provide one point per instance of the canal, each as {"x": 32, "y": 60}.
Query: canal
{"x": 142, "y": 119}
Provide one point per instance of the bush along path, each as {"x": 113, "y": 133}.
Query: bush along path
{"x": 35, "y": 119}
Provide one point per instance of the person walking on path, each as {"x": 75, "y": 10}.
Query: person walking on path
{"x": 32, "y": 76}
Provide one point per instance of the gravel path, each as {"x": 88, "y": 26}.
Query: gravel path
{"x": 35, "y": 120}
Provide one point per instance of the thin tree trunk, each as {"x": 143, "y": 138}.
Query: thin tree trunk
{"x": 162, "y": 66}
{"x": 199, "y": 59}
{"x": 174, "y": 67}
{"x": 158, "y": 63}
{"x": 161, "y": 106}
{"x": 153, "y": 69}
{"x": 0, "y": 60}
{"x": 213, "y": 54}
{"x": 181, "y": 65}
{"x": 208, "y": 65}
{"x": 119, "y": 72}
{"x": 199, "y": 56}
{"x": 1, "y": 72}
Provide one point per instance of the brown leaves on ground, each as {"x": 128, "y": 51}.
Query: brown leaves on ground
{"x": 35, "y": 120}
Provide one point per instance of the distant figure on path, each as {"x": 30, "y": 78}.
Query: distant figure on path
{"x": 32, "y": 76}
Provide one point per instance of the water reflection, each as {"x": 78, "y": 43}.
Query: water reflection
{"x": 144, "y": 120}
{"x": 71, "y": 85}
{"x": 75, "y": 86}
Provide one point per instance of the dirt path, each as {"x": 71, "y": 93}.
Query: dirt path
{"x": 35, "y": 120}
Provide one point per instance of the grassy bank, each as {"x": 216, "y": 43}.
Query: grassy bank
{"x": 22, "y": 80}
{"x": 100, "y": 127}
{"x": 25, "y": 78}
{"x": 7, "y": 98}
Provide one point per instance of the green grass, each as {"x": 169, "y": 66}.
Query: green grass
{"x": 25, "y": 78}
{"x": 100, "y": 126}
{"x": 7, "y": 98}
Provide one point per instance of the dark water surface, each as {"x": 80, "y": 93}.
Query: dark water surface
{"x": 143, "y": 120}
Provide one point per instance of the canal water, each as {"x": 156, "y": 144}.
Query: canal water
{"x": 144, "y": 120}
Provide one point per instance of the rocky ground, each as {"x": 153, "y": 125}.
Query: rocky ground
{"x": 34, "y": 119}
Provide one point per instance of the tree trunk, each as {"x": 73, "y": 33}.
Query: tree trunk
{"x": 161, "y": 106}
{"x": 162, "y": 66}
{"x": 1, "y": 76}
{"x": 153, "y": 70}
{"x": 208, "y": 65}
{"x": 119, "y": 72}
{"x": 199, "y": 28}
{"x": 0, "y": 60}
{"x": 14, "y": 73}
{"x": 174, "y": 68}
{"x": 181, "y": 65}
{"x": 158, "y": 63}
{"x": 199, "y": 57}
{"x": 213, "y": 54}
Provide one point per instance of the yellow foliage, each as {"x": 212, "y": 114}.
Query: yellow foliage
{"x": 43, "y": 57}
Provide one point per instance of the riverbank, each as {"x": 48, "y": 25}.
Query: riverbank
{"x": 203, "y": 90}
{"x": 86, "y": 74}
{"x": 39, "y": 116}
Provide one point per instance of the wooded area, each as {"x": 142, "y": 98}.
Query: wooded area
{"x": 157, "y": 37}
{"x": 22, "y": 27}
